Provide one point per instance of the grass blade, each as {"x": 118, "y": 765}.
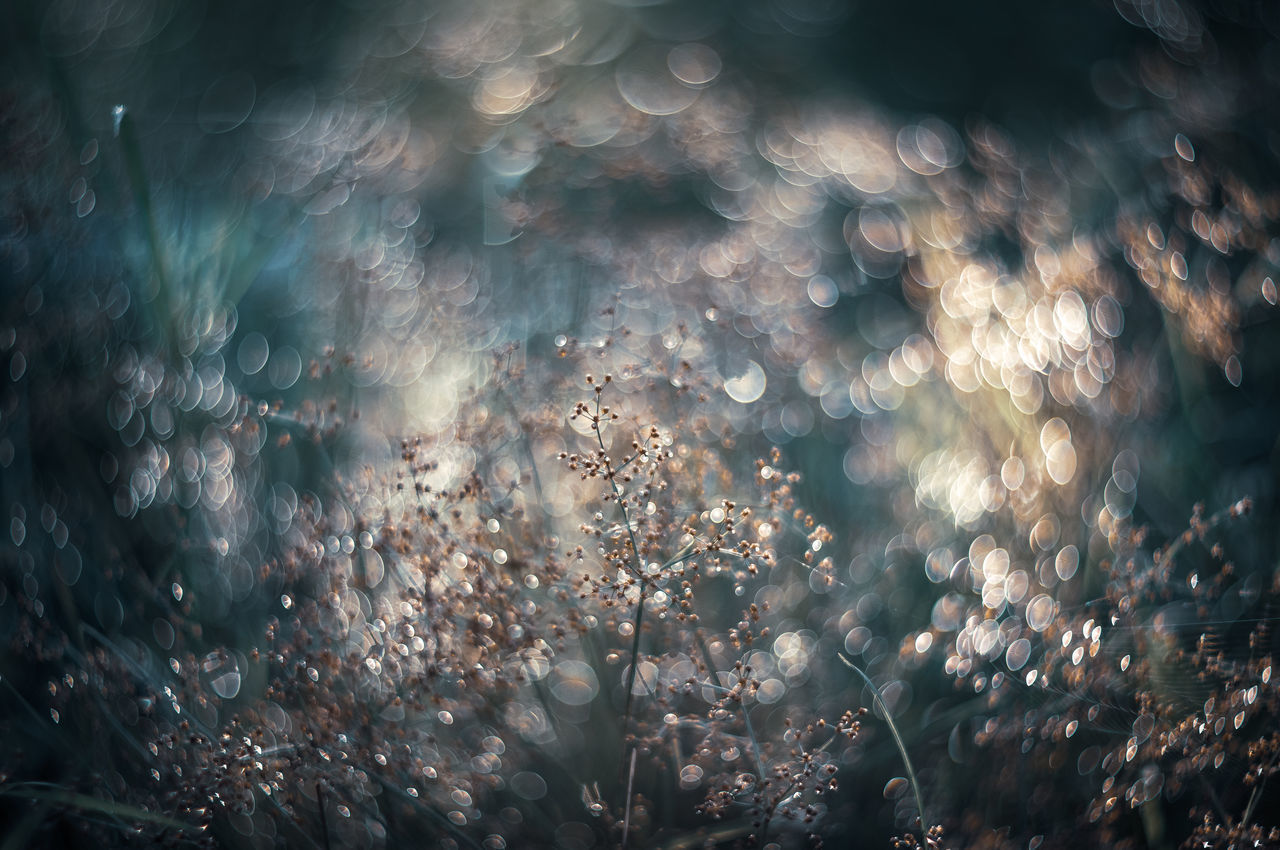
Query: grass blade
{"x": 72, "y": 799}
{"x": 897, "y": 739}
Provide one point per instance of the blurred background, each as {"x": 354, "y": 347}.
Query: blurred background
{"x": 999, "y": 280}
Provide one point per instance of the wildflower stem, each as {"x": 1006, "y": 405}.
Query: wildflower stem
{"x": 746, "y": 713}
{"x": 324, "y": 821}
{"x": 630, "y": 460}
{"x": 638, "y": 569}
{"x": 635, "y": 656}
{"x": 626, "y": 818}
{"x": 767, "y": 818}
{"x": 897, "y": 739}
{"x": 1257, "y": 792}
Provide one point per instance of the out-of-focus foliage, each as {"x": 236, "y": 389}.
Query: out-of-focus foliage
{"x": 398, "y": 404}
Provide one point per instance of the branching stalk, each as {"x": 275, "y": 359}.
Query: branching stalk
{"x": 639, "y": 570}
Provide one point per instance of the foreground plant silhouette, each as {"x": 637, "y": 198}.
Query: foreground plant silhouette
{"x": 427, "y": 659}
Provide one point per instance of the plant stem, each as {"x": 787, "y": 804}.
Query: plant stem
{"x": 897, "y": 739}
{"x": 324, "y": 821}
{"x": 1257, "y": 793}
{"x": 639, "y": 571}
{"x": 626, "y": 818}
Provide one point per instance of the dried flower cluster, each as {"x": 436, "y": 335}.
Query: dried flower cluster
{"x": 398, "y": 411}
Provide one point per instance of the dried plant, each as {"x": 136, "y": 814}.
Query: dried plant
{"x": 542, "y": 425}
